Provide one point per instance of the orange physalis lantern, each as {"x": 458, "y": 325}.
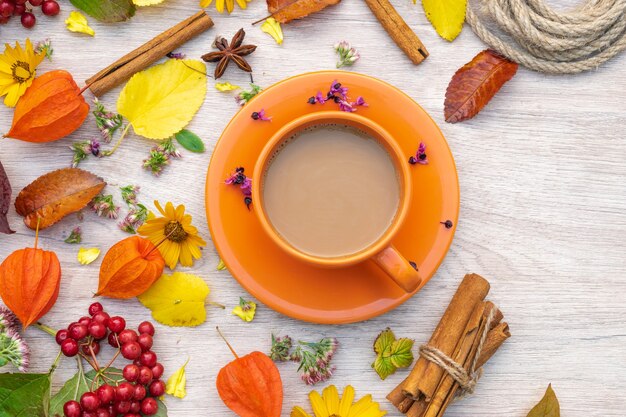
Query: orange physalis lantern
{"x": 129, "y": 268}
{"x": 51, "y": 108}
{"x": 251, "y": 385}
{"x": 29, "y": 283}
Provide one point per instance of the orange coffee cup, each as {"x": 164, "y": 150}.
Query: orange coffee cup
{"x": 381, "y": 251}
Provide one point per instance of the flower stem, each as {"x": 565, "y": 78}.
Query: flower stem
{"x": 215, "y": 304}
{"x": 118, "y": 143}
{"x": 46, "y": 329}
{"x": 55, "y": 363}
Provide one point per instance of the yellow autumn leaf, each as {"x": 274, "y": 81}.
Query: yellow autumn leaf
{"x": 177, "y": 383}
{"x": 142, "y": 3}
{"x": 87, "y": 255}
{"x": 226, "y": 86}
{"x": 447, "y": 16}
{"x": 162, "y": 100}
{"x": 177, "y": 299}
{"x": 221, "y": 265}
{"x": 205, "y": 3}
{"x": 77, "y": 22}
{"x": 272, "y": 28}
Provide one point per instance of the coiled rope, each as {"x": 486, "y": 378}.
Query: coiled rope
{"x": 541, "y": 39}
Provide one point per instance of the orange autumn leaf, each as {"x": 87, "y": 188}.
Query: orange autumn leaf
{"x": 29, "y": 283}
{"x": 475, "y": 84}
{"x": 285, "y": 11}
{"x": 55, "y": 195}
{"x": 51, "y": 108}
{"x": 129, "y": 268}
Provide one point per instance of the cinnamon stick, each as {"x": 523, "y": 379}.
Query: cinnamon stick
{"x": 147, "y": 54}
{"x": 399, "y": 31}
{"x": 425, "y": 376}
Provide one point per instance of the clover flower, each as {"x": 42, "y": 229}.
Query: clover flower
{"x": 75, "y": 236}
{"x": 281, "y": 348}
{"x": 244, "y": 96}
{"x": 45, "y": 47}
{"x": 136, "y": 217}
{"x": 129, "y": 194}
{"x": 104, "y": 206}
{"x": 347, "y": 54}
{"x": 314, "y": 359}
{"x": 13, "y": 349}
{"x": 8, "y": 320}
{"x": 108, "y": 122}
{"x": 156, "y": 161}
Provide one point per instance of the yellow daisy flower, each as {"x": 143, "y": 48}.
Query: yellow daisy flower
{"x": 17, "y": 71}
{"x": 173, "y": 234}
{"x": 330, "y": 405}
{"x": 230, "y": 4}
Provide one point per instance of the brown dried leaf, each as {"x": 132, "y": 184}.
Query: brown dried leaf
{"x": 475, "y": 84}
{"x": 284, "y": 11}
{"x": 57, "y": 194}
{"x": 5, "y": 201}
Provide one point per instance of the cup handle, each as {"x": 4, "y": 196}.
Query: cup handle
{"x": 398, "y": 268}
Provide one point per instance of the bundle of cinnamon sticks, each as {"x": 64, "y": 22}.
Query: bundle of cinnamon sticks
{"x": 429, "y": 389}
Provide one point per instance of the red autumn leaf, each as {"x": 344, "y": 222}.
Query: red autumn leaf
{"x": 285, "y": 11}
{"x": 475, "y": 84}
{"x": 55, "y": 195}
{"x": 5, "y": 201}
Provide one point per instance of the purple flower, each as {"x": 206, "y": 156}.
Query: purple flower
{"x": 8, "y": 320}
{"x": 346, "y": 106}
{"x": 337, "y": 88}
{"x": 360, "y": 101}
{"x": 260, "y": 115}
{"x": 339, "y": 95}
{"x": 14, "y": 349}
{"x": 176, "y": 55}
{"x": 320, "y": 98}
{"x": 246, "y": 186}
{"x": 420, "y": 155}
{"x": 104, "y": 206}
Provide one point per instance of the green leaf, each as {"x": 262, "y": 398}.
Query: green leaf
{"x": 190, "y": 141}
{"x": 24, "y": 395}
{"x": 548, "y": 406}
{"x": 107, "y": 10}
{"x": 391, "y": 354}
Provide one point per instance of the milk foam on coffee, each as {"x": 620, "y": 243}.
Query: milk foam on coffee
{"x": 331, "y": 190}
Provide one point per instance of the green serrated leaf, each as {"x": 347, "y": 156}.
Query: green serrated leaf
{"x": 24, "y": 395}
{"x": 401, "y": 354}
{"x": 384, "y": 340}
{"x": 190, "y": 141}
{"x": 107, "y": 10}
{"x": 383, "y": 367}
{"x": 548, "y": 406}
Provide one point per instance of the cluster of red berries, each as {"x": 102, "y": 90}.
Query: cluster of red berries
{"x": 23, "y": 8}
{"x": 135, "y": 395}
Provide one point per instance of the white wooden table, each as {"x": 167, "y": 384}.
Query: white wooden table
{"x": 542, "y": 213}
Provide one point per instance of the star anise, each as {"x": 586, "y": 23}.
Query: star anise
{"x": 233, "y": 52}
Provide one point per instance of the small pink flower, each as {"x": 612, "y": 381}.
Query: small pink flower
{"x": 420, "y": 155}
{"x": 260, "y": 115}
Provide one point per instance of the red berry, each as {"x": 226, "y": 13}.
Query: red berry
{"x": 89, "y": 401}
{"x": 61, "y": 336}
{"x": 135, "y": 407}
{"x": 122, "y": 407}
{"x": 106, "y": 393}
{"x": 77, "y": 331}
{"x": 140, "y": 393}
{"x": 149, "y": 407}
{"x": 145, "y": 375}
{"x": 20, "y": 1}
{"x": 146, "y": 327}
{"x": 124, "y": 392}
{"x": 95, "y": 347}
{"x": 89, "y": 414}
{"x": 72, "y": 409}
{"x": 127, "y": 336}
{"x": 50, "y": 8}
{"x": 131, "y": 373}
{"x": 145, "y": 341}
{"x": 113, "y": 340}
{"x": 131, "y": 350}
{"x": 28, "y": 20}
{"x": 103, "y": 412}
{"x": 95, "y": 307}
{"x": 112, "y": 411}
{"x": 19, "y": 9}
{"x": 6, "y": 8}
{"x": 157, "y": 388}
{"x": 157, "y": 371}
{"x": 35, "y": 3}
{"x": 85, "y": 320}
{"x": 97, "y": 330}
{"x": 101, "y": 317}
{"x": 117, "y": 324}
{"x": 148, "y": 359}
{"x": 132, "y": 415}
{"x": 69, "y": 347}
{"x": 138, "y": 362}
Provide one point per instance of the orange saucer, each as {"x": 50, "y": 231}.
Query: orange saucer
{"x": 300, "y": 290}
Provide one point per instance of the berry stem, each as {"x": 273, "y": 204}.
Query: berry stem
{"x": 94, "y": 366}
{"x": 93, "y": 355}
{"x": 226, "y": 341}
{"x": 45, "y": 328}
{"x": 55, "y": 364}
{"x": 112, "y": 360}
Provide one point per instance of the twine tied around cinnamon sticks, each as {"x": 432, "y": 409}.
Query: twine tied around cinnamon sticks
{"x": 467, "y": 379}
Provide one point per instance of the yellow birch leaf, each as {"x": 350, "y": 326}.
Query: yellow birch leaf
{"x": 205, "y": 3}
{"x": 446, "y": 16}
{"x": 272, "y": 28}
{"x": 77, "y": 22}
{"x": 177, "y": 300}
{"x": 221, "y": 265}
{"x": 142, "y": 3}
{"x": 87, "y": 255}
{"x": 226, "y": 86}
{"x": 162, "y": 100}
{"x": 177, "y": 383}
